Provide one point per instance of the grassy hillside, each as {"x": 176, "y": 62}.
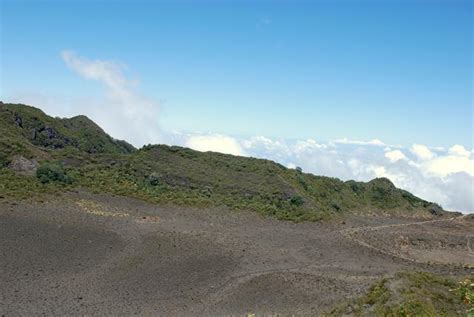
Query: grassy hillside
{"x": 413, "y": 294}
{"x": 28, "y": 131}
{"x": 81, "y": 154}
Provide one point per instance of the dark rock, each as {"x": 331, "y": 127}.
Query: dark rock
{"x": 436, "y": 210}
{"x": 49, "y": 133}
{"x": 18, "y": 121}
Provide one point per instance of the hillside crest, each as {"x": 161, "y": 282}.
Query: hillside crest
{"x": 88, "y": 157}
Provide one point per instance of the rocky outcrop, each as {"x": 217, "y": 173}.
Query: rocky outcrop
{"x": 21, "y": 165}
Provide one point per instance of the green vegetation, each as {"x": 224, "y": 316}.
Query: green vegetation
{"x": 50, "y": 172}
{"x": 465, "y": 291}
{"x": 85, "y": 156}
{"x": 15, "y": 187}
{"x": 28, "y": 131}
{"x": 413, "y": 294}
{"x": 3, "y": 160}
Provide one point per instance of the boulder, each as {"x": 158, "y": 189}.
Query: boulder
{"x": 21, "y": 165}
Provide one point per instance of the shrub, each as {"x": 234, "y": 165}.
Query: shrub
{"x": 3, "y": 160}
{"x": 297, "y": 200}
{"x": 147, "y": 147}
{"x": 52, "y": 172}
{"x": 356, "y": 187}
{"x": 336, "y": 206}
{"x": 465, "y": 290}
{"x": 154, "y": 179}
{"x": 206, "y": 191}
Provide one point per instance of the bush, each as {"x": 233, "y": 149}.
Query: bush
{"x": 206, "y": 191}
{"x": 297, "y": 200}
{"x": 465, "y": 290}
{"x": 51, "y": 172}
{"x": 336, "y": 206}
{"x": 154, "y": 179}
{"x": 3, "y": 160}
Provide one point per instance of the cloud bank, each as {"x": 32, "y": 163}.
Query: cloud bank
{"x": 215, "y": 143}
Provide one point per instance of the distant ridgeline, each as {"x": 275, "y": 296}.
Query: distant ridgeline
{"x": 42, "y": 154}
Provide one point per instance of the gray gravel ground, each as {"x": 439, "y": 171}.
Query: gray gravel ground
{"x": 87, "y": 254}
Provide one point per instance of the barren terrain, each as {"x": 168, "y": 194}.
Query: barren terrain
{"x": 83, "y": 253}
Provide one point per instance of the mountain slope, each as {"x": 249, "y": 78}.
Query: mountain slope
{"x": 27, "y": 130}
{"x": 171, "y": 174}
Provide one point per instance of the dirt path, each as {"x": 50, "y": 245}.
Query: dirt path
{"x": 372, "y": 228}
{"x": 352, "y": 232}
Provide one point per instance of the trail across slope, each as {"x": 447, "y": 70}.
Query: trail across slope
{"x": 356, "y": 234}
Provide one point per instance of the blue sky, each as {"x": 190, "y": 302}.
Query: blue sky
{"x": 399, "y": 71}
{"x": 349, "y": 89}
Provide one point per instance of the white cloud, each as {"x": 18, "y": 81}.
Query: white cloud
{"x": 308, "y": 145}
{"x": 123, "y": 113}
{"x": 445, "y": 165}
{"x": 375, "y": 142}
{"x": 265, "y": 143}
{"x": 459, "y": 150}
{"x": 215, "y": 143}
{"x": 422, "y": 152}
{"x": 395, "y": 155}
{"x": 110, "y": 73}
